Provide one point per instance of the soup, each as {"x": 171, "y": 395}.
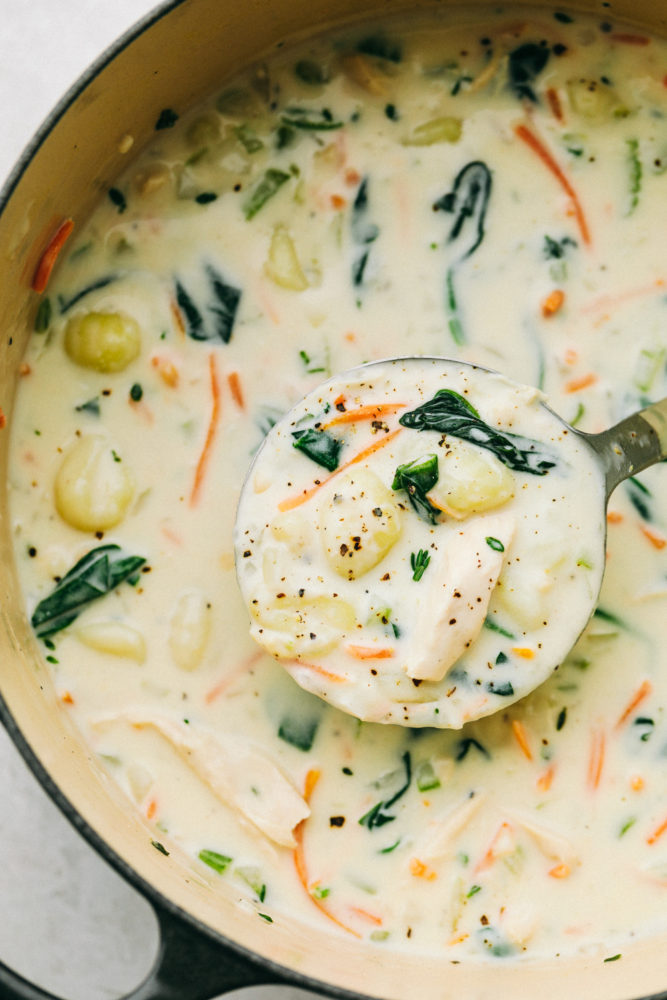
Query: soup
{"x": 489, "y": 190}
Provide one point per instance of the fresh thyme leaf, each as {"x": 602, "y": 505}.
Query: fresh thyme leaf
{"x": 379, "y": 815}
{"x": 449, "y": 413}
{"x": 493, "y": 627}
{"x": 98, "y": 573}
{"x": 494, "y": 543}
{"x": 320, "y": 446}
{"x": 419, "y": 562}
{"x": 417, "y": 478}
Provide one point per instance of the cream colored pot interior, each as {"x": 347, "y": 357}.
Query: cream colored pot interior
{"x": 181, "y": 56}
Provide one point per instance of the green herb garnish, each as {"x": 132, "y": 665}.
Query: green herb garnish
{"x": 248, "y": 138}
{"x": 635, "y": 172}
{"x": 311, "y": 120}
{"x": 419, "y": 562}
{"x": 265, "y": 189}
{"x": 320, "y": 446}
{"x": 98, "y": 573}
{"x": 493, "y": 627}
{"x": 43, "y": 316}
{"x": 449, "y": 413}
{"x": 417, "y": 478}
{"x": 212, "y": 319}
{"x": 90, "y": 406}
{"x": 494, "y": 543}
{"x": 425, "y": 777}
{"x": 218, "y": 862}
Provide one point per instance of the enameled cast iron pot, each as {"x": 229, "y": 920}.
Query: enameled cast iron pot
{"x": 176, "y": 56}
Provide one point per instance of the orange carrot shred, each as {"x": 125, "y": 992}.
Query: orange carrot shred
{"x": 316, "y": 668}
{"x": 614, "y": 517}
{"x": 312, "y": 777}
{"x": 420, "y": 870}
{"x": 658, "y": 541}
{"x": 554, "y": 104}
{"x": 50, "y": 255}
{"x": 177, "y": 316}
{"x": 210, "y": 435}
{"x": 560, "y": 871}
{"x": 553, "y": 303}
{"x": 642, "y": 692}
{"x": 525, "y": 652}
{"x": 657, "y": 833}
{"x": 577, "y": 384}
{"x": 545, "y": 780}
{"x": 365, "y": 915}
{"x": 538, "y": 147}
{"x": 371, "y": 412}
{"x": 596, "y": 758}
{"x": 489, "y": 858}
{"x": 637, "y": 783}
{"x": 67, "y": 698}
{"x": 291, "y": 502}
{"x": 337, "y": 201}
{"x": 370, "y": 652}
{"x": 151, "y": 809}
{"x": 234, "y": 381}
{"x": 521, "y": 737}
{"x": 166, "y": 369}
{"x": 3, "y": 418}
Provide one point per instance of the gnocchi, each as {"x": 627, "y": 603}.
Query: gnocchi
{"x": 107, "y": 342}
{"x": 93, "y": 487}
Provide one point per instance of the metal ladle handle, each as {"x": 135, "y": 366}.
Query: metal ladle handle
{"x": 631, "y": 445}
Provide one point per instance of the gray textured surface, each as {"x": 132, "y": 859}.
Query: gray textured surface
{"x": 67, "y": 921}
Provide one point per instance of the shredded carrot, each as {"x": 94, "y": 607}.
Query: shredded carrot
{"x": 370, "y": 652}
{"x": 375, "y": 412}
{"x": 67, "y": 698}
{"x": 229, "y": 678}
{"x": 637, "y": 783}
{"x": 352, "y": 176}
{"x": 420, "y": 870}
{"x": 50, "y": 255}
{"x": 210, "y": 435}
{"x": 545, "y": 780}
{"x": 614, "y": 517}
{"x": 630, "y": 39}
{"x": 553, "y": 303}
{"x": 151, "y": 809}
{"x": 538, "y": 147}
{"x": 339, "y": 402}
{"x": 166, "y": 369}
{"x": 3, "y": 418}
{"x": 25, "y": 369}
{"x": 521, "y": 737}
{"x": 234, "y": 381}
{"x": 458, "y": 939}
{"x": 489, "y": 858}
{"x": 554, "y": 104}
{"x": 577, "y": 384}
{"x": 571, "y": 356}
{"x": 291, "y": 502}
{"x": 316, "y": 668}
{"x": 596, "y": 758}
{"x": 337, "y": 201}
{"x": 365, "y": 915}
{"x": 560, "y": 871}
{"x": 312, "y": 777}
{"x": 351, "y": 337}
{"x": 657, "y": 833}
{"x": 642, "y": 692}
{"x": 657, "y": 540}
{"x": 525, "y": 652}
{"x": 177, "y": 317}
{"x": 612, "y": 302}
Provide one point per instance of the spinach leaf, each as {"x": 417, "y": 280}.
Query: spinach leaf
{"x": 417, "y": 478}
{"x": 467, "y": 744}
{"x": 381, "y": 48}
{"x": 378, "y": 815}
{"x": 320, "y": 446}
{"x": 640, "y": 497}
{"x": 214, "y": 319}
{"x": 363, "y": 232}
{"x": 100, "y": 571}
{"x": 450, "y": 413}
{"x": 556, "y": 249}
{"x": 298, "y": 731}
{"x": 525, "y": 64}
{"x": 265, "y": 189}
{"x": 66, "y": 304}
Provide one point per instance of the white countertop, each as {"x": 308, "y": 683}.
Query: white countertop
{"x": 67, "y": 921}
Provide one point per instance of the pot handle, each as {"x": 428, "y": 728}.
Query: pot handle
{"x": 189, "y": 966}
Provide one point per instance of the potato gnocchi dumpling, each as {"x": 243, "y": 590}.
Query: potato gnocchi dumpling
{"x": 390, "y": 560}
{"x": 93, "y": 487}
{"x": 107, "y": 342}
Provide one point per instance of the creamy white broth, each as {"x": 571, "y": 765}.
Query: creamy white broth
{"x": 508, "y": 540}
{"x": 510, "y": 838}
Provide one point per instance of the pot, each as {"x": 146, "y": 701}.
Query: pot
{"x": 208, "y": 946}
